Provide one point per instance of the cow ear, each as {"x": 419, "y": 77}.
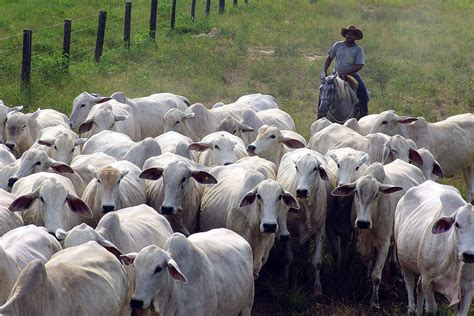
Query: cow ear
{"x": 203, "y": 177}
{"x": 34, "y": 115}
{"x": 110, "y": 247}
{"x": 323, "y": 173}
{"x": 123, "y": 173}
{"x": 103, "y": 100}
{"x": 151, "y": 173}
{"x": 200, "y": 146}
{"x": 128, "y": 258}
{"x": 175, "y": 272}
{"x": 61, "y": 234}
{"x": 46, "y": 142}
{"x": 248, "y": 198}
{"x": 15, "y": 109}
{"x": 290, "y": 201}
{"x": 344, "y": 190}
{"x": 387, "y": 188}
{"x": 23, "y": 202}
{"x": 60, "y": 167}
{"x": 415, "y": 156}
{"x": 334, "y": 157}
{"x": 407, "y": 119}
{"x": 78, "y": 206}
{"x": 386, "y": 153}
{"x": 188, "y": 115}
{"x": 293, "y": 143}
{"x": 245, "y": 128}
{"x": 85, "y": 126}
{"x": 442, "y": 225}
{"x": 80, "y": 141}
{"x": 437, "y": 170}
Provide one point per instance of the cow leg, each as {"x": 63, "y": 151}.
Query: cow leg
{"x": 431, "y": 307}
{"x": 381, "y": 256}
{"x": 248, "y": 307}
{"x": 420, "y": 299}
{"x": 335, "y": 246}
{"x": 288, "y": 257}
{"x": 465, "y": 302}
{"x": 409, "y": 278}
{"x": 318, "y": 245}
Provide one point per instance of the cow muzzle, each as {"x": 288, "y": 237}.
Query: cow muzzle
{"x": 11, "y": 181}
{"x": 251, "y": 150}
{"x": 468, "y": 257}
{"x": 136, "y": 304}
{"x": 302, "y": 193}
{"x": 168, "y": 210}
{"x": 107, "y": 208}
{"x": 363, "y": 224}
{"x": 269, "y": 228}
{"x": 10, "y": 146}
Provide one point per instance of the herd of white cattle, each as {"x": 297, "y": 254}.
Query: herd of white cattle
{"x": 159, "y": 206}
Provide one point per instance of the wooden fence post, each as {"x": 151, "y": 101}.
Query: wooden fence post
{"x": 99, "y": 44}
{"x": 246, "y": 1}
{"x": 66, "y": 43}
{"x": 173, "y": 14}
{"x": 235, "y": 3}
{"x": 153, "y": 10}
{"x": 221, "y": 6}
{"x": 127, "y": 23}
{"x": 193, "y": 9}
{"x": 208, "y": 7}
{"x": 26, "y": 59}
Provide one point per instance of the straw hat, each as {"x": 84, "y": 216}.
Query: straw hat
{"x": 358, "y": 33}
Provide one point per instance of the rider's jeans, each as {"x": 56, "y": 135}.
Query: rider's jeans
{"x": 363, "y": 96}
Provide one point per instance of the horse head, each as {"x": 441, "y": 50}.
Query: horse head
{"x": 327, "y": 91}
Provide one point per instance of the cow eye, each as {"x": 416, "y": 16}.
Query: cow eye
{"x": 456, "y": 225}
{"x": 357, "y": 168}
{"x": 38, "y": 163}
{"x": 384, "y": 122}
{"x": 184, "y": 179}
{"x": 315, "y": 169}
{"x": 55, "y": 147}
{"x": 23, "y": 127}
{"x": 41, "y": 199}
{"x": 83, "y": 105}
{"x": 233, "y": 132}
{"x": 98, "y": 180}
{"x": 296, "y": 167}
{"x": 280, "y": 197}
{"x": 158, "y": 269}
{"x": 216, "y": 147}
{"x": 259, "y": 197}
{"x": 177, "y": 122}
{"x": 338, "y": 165}
{"x": 272, "y": 136}
{"x": 73, "y": 149}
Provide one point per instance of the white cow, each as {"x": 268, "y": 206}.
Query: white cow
{"x": 365, "y": 124}
{"x": 82, "y": 164}
{"x": 82, "y": 280}
{"x": 8, "y": 219}
{"x": 272, "y": 143}
{"x": 176, "y": 190}
{"x": 127, "y": 230}
{"x": 304, "y": 173}
{"x": 319, "y": 125}
{"x": 374, "y": 212}
{"x": 23, "y": 129}
{"x": 257, "y": 101}
{"x": 115, "y": 186}
{"x": 19, "y": 247}
{"x": 452, "y": 135}
{"x": 49, "y": 200}
{"x": 122, "y": 147}
{"x": 214, "y": 269}
{"x": 243, "y": 201}
{"x": 219, "y": 149}
{"x": 176, "y": 143}
{"x": 60, "y": 142}
{"x": 431, "y": 168}
{"x": 6, "y": 156}
{"x": 114, "y": 116}
{"x": 149, "y": 111}
{"x": 82, "y": 105}
{"x": 265, "y": 167}
{"x": 4, "y": 110}
{"x": 434, "y": 231}
{"x": 251, "y": 121}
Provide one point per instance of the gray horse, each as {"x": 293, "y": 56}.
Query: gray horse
{"x": 337, "y": 99}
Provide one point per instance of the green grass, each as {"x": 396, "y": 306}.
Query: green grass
{"x": 418, "y": 53}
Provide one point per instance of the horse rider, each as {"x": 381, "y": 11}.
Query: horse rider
{"x": 350, "y": 60}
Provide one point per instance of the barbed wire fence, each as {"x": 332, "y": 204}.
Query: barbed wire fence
{"x": 53, "y": 48}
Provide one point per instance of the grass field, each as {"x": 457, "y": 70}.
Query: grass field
{"x": 419, "y": 57}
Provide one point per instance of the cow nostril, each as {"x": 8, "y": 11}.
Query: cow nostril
{"x": 251, "y": 147}
{"x": 11, "y": 181}
{"x": 167, "y": 210}
{"x": 301, "y": 193}
{"x": 108, "y": 208}
{"x": 227, "y": 163}
{"x": 269, "y": 228}
{"x": 363, "y": 224}
{"x": 136, "y": 304}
